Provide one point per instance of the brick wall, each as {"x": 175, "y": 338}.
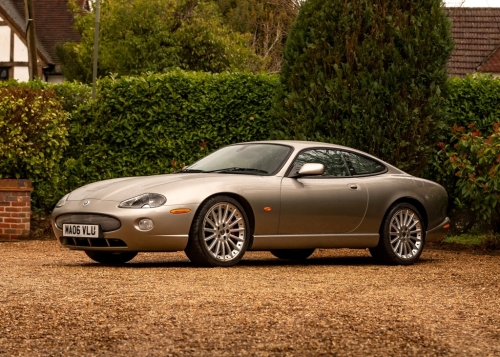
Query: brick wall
{"x": 15, "y": 209}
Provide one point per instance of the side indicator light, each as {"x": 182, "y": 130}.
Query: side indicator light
{"x": 267, "y": 209}
{"x": 180, "y": 211}
{"x": 446, "y": 226}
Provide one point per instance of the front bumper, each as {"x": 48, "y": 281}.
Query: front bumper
{"x": 437, "y": 234}
{"x": 170, "y": 232}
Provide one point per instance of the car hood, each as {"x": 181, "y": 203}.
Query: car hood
{"x": 123, "y": 188}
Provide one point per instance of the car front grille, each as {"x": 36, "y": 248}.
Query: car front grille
{"x": 92, "y": 242}
{"x": 107, "y": 223}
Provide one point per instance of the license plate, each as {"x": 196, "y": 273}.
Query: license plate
{"x": 81, "y": 230}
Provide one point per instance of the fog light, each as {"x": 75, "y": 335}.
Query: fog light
{"x": 146, "y": 224}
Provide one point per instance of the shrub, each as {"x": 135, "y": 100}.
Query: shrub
{"x": 155, "y": 124}
{"x": 473, "y": 101}
{"x": 367, "y": 74}
{"x": 475, "y": 160}
{"x": 32, "y": 139}
{"x": 70, "y": 94}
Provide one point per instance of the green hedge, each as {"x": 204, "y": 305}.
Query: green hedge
{"x": 474, "y": 108}
{"x": 70, "y": 94}
{"x": 474, "y": 99}
{"x": 157, "y": 123}
{"x": 33, "y": 130}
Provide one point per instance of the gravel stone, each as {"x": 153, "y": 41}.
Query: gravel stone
{"x": 57, "y": 302}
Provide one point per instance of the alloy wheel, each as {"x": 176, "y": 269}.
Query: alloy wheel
{"x": 224, "y": 231}
{"x": 406, "y": 233}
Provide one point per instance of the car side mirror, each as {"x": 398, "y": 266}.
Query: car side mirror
{"x": 311, "y": 170}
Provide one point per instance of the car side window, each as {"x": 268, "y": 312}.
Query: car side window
{"x": 333, "y": 160}
{"x": 360, "y": 165}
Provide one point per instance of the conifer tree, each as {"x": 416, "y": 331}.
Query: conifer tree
{"x": 370, "y": 74}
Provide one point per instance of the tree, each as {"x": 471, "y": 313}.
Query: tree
{"x": 370, "y": 74}
{"x": 157, "y": 35}
{"x": 267, "y": 22}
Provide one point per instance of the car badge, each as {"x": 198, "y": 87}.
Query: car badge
{"x": 86, "y": 203}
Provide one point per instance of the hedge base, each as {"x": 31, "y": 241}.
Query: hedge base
{"x": 15, "y": 209}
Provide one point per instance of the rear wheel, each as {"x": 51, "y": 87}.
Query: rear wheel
{"x": 402, "y": 236}
{"x": 110, "y": 257}
{"x": 292, "y": 254}
{"x": 220, "y": 233}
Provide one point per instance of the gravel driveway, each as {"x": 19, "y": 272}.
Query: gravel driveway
{"x": 55, "y": 302}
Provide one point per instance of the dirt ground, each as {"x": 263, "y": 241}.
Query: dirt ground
{"x": 56, "y": 302}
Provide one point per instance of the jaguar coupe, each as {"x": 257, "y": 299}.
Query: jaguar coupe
{"x": 286, "y": 197}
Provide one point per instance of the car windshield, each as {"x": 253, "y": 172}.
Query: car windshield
{"x": 252, "y": 159}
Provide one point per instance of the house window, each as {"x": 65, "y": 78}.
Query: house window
{"x": 4, "y": 73}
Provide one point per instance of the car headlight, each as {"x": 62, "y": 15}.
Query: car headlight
{"x": 62, "y": 201}
{"x": 146, "y": 200}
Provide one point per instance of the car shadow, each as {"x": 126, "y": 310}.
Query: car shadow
{"x": 272, "y": 262}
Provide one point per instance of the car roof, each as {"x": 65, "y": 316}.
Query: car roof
{"x": 299, "y": 145}
{"x": 302, "y": 144}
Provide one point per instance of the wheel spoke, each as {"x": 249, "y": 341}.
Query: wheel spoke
{"x": 237, "y": 238}
{"x": 224, "y": 216}
{"x": 232, "y": 244}
{"x": 395, "y": 239}
{"x": 215, "y": 220}
{"x": 228, "y": 248}
{"x": 235, "y": 222}
{"x": 413, "y": 224}
{"x": 400, "y": 248}
{"x": 223, "y": 250}
{"x": 210, "y": 222}
{"x": 217, "y": 248}
{"x": 211, "y": 246}
{"x": 210, "y": 237}
{"x": 410, "y": 249}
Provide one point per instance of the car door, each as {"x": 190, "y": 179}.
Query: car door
{"x": 332, "y": 203}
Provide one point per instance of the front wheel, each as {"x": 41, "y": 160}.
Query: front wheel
{"x": 292, "y": 254}
{"x": 220, "y": 233}
{"x": 110, "y": 257}
{"x": 402, "y": 236}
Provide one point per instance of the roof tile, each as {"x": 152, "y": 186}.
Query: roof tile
{"x": 476, "y": 32}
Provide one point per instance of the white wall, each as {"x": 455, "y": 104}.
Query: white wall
{"x": 5, "y": 44}
{"x": 22, "y": 74}
{"x": 20, "y": 50}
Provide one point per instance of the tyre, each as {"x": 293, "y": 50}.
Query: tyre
{"x": 110, "y": 257}
{"x": 292, "y": 254}
{"x": 402, "y": 236}
{"x": 220, "y": 233}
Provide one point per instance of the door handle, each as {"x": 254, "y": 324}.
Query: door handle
{"x": 353, "y": 186}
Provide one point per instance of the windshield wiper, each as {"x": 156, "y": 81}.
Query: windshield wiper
{"x": 239, "y": 169}
{"x": 188, "y": 170}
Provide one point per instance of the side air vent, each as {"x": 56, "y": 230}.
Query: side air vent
{"x": 92, "y": 242}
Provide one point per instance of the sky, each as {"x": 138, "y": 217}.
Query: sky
{"x": 473, "y": 3}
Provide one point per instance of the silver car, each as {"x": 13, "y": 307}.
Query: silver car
{"x": 287, "y": 197}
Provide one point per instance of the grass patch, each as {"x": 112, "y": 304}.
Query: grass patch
{"x": 488, "y": 241}
{"x": 470, "y": 239}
